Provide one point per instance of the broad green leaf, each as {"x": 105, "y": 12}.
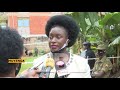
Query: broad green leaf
{"x": 115, "y": 42}
{"x": 93, "y": 17}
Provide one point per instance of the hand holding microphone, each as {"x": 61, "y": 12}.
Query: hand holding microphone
{"x": 33, "y": 73}
{"x": 45, "y": 72}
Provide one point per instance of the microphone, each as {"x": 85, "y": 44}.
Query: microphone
{"x": 62, "y": 71}
{"x": 45, "y": 72}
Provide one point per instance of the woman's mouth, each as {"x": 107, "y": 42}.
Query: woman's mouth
{"x": 54, "y": 46}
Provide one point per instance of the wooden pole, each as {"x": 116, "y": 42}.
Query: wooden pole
{"x": 118, "y": 50}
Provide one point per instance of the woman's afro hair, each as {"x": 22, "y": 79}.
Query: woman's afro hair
{"x": 68, "y": 23}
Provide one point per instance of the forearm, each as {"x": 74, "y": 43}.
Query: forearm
{"x": 97, "y": 74}
{"x": 29, "y": 74}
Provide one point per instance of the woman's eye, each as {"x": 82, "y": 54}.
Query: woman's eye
{"x": 50, "y": 37}
{"x": 58, "y": 37}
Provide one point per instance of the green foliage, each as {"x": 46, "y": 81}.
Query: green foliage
{"x": 3, "y": 16}
{"x": 75, "y": 48}
{"x": 111, "y": 19}
{"x": 115, "y": 42}
{"x": 86, "y": 21}
{"x": 93, "y": 17}
{"x": 111, "y": 51}
{"x": 96, "y": 29}
{"x": 42, "y": 52}
{"x": 28, "y": 65}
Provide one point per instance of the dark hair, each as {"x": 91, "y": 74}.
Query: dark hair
{"x": 68, "y": 23}
{"x": 88, "y": 44}
{"x": 11, "y": 47}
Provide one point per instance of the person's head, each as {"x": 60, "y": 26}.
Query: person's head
{"x": 101, "y": 49}
{"x": 62, "y": 32}
{"x": 86, "y": 45}
{"x": 11, "y": 47}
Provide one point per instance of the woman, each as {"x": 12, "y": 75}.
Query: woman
{"x": 62, "y": 32}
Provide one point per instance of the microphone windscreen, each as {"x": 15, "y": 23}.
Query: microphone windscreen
{"x": 60, "y": 65}
{"x": 50, "y": 62}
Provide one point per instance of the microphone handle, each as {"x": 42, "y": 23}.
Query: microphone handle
{"x": 48, "y": 69}
{"x": 43, "y": 71}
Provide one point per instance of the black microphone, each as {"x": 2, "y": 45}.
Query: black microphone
{"x": 45, "y": 72}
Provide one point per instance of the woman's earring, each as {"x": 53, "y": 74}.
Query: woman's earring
{"x": 16, "y": 68}
{"x": 67, "y": 42}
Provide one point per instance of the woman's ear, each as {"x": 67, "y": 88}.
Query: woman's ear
{"x": 67, "y": 42}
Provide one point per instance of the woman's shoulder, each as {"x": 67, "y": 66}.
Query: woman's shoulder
{"x": 40, "y": 59}
{"x": 82, "y": 66}
{"x": 79, "y": 59}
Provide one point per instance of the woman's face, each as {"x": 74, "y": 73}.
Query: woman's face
{"x": 57, "y": 38}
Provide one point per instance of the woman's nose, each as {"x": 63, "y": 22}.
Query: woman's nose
{"x": 53, "y": 40}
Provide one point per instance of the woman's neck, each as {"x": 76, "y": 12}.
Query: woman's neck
{"x": 64, "y": 56}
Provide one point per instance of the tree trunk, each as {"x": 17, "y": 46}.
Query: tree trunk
{"x": 118, "y": 53}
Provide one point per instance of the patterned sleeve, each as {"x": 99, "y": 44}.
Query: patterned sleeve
{"x": 39, "y": 62}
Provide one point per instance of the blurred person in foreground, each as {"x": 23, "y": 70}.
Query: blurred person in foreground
{"x": 11, "y": 47}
